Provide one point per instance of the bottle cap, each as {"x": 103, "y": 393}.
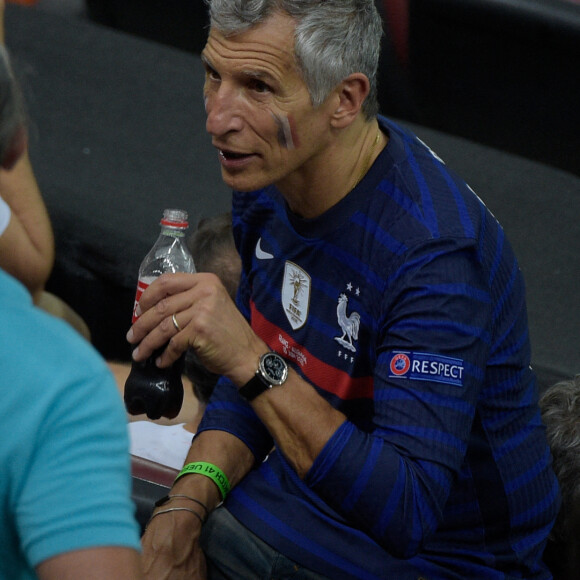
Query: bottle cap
{"x": 175, "y": 218}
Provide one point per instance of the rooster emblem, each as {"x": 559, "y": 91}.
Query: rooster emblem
{"x": 348, "y": 324}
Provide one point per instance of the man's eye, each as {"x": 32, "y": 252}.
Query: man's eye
{"x": 260, "y": 86}
{"x": 210, "y": 73}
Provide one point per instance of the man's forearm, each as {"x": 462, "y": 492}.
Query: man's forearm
{"x": 225, "y": 451}
{"x": 170, "y": 543}
{"x": 299, "y": 419}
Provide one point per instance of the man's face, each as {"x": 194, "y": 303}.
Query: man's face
{"x": 259, "y": 112}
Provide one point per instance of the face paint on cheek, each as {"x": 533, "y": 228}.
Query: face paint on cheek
{"x": 286, "y": 135}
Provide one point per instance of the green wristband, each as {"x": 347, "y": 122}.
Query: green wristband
{"x": 209, "y": 470}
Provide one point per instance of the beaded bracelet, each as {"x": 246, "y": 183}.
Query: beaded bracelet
{"x": 209, "y": 470}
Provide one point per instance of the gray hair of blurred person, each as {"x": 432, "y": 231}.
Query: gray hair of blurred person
{"x": 334, "y": 39}
{"x": 213, "y": 249}
{"x": 12, "y": 112}
{"x": 560, "y": 406}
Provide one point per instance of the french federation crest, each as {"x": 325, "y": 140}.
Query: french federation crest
{"x": 295, "y": 295}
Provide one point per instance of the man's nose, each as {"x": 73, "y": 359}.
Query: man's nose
{"x": 223, "y": 110}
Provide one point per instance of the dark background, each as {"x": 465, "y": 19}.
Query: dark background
{"x": 118, "y": 135}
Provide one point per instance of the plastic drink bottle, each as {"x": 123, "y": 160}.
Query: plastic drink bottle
{"x": 149, "y": 389}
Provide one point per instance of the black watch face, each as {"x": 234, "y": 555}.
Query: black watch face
{"x": 275, "y": 367}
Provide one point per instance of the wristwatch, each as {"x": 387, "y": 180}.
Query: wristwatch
{"x": 272, "y": 372}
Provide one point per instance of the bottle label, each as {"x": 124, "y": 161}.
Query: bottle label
{"x": 142, "y": 285}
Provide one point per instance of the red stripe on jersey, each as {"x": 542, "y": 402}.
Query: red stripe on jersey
{"x": 321, "y": 374}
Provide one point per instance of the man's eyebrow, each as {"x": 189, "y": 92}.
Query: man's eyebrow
{"x": 205, "y": 61}
{"x": 251, "y": 73}
{"x": 258, "y": 75}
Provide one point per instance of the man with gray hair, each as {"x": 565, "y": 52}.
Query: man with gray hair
{"x": 376, "y": 416}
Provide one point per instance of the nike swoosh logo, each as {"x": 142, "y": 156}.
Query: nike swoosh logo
{"x": 260, "y": 254}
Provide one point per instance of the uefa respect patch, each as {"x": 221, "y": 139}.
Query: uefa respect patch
{"x": 424, "y": 366}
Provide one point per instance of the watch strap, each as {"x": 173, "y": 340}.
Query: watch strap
{"x": 254, "y": 387}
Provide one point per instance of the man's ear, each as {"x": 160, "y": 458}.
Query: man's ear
{"x": 351, "y": 93}
{"x": 15, "y": 149}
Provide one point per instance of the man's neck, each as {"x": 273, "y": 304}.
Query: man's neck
{"x": 335, "y": 172}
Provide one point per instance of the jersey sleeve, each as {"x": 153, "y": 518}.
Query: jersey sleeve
{"x": 435, "y": 341}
